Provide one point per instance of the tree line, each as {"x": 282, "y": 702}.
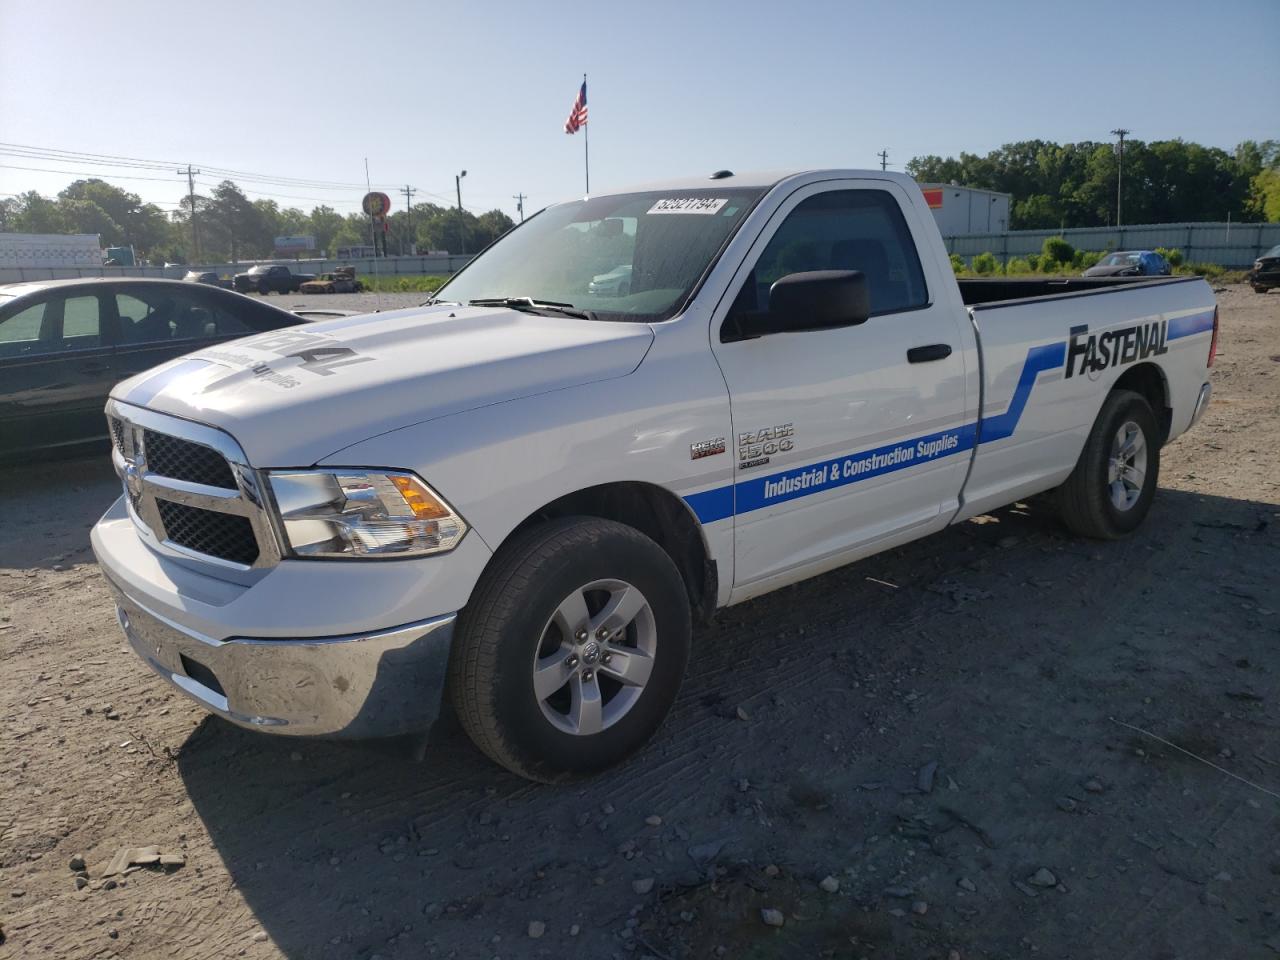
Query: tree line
{"x": 1057, "y": 185}
{"x": 232, "y": 227}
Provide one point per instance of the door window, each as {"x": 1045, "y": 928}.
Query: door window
{"x": 52, "y": 327}
{"x": 162, "y": 315}
{"x": 80, "y": 323}
{"x": 20, "y": 333}
{"x": 843, "y": 230}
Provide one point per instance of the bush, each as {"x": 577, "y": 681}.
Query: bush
{"x": 957, "y": 263}
{"x": 1174, "y": 256}
{"x": 1033, "y": 261}
{"x": 985, "y": 263}
{"x": 1017, "y": 266}
{"x": 1090, "y": 259}
{"x": 1211, "y": 271}
{"x": 1057, "y": 250}
{"x": 403, "y": 283}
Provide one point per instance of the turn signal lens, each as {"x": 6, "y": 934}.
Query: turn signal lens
{"x": 418, "y": 498}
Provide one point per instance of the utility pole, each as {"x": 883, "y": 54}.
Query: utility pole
{"x": 1120, "y": 132}
{"x": 462, "y": 225}
{"x": 408, "y": 192}
{"x": 884, "y": 158}
{"x": 191, "y": 195}
{"x": 519, "y": 199}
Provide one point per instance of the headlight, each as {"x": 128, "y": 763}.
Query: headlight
{"x": 361, "y": 513}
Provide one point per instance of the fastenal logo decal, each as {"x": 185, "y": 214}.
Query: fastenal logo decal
{"x": 1098, "y": 351}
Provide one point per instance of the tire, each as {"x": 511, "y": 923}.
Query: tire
{"x": 517, "y": 618}
{"x": 1106, "y": 500}
{"x": 263, "y": 288}
{"x": 1259, "y": 289}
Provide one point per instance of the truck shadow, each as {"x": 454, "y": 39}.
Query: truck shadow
{"x": 349, "y": 850}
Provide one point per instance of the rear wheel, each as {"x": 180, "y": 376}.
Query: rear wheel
{"x": 263, "y": 288}
{"x": 572, "y": 648}
{"x": 1111, "y": 488}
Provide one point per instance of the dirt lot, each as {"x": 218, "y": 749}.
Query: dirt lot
{"x": 803, "y": 746}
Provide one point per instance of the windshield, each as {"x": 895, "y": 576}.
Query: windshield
{"x": 261, "y": 268}
{"x": 632, "y": 256}
{"x": 1273, "y": 252}
{"x": 1121, "y": 259}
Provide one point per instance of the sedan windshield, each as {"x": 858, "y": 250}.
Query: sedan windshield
{"x": 1120, "y": 260}
{"x": 1273, "y": 252}
{"x": 632, "y": 256}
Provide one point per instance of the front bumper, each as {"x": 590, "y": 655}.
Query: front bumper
{"x": 366, "y": 685}
{"x": 1264, "y": 278}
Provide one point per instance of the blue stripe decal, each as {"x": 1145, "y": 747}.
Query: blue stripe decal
{"x": 1191, "y": 325}
{"x": 1038, "y": 359}
{"x": 756, "y": 493}
{"x": 147, "y": 390}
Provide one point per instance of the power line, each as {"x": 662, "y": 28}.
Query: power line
{"x": 86, "y": 173}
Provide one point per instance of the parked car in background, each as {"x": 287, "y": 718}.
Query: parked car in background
{"x": 207, "y": 276}
{"x": 615, "y": 283}
{"x": 64, "y": 343}
{"x": 1131, "y": 263}
{"x": 342, "y": 280}
{"x": 1266, "y": 271}
{"x": 270, "y": 278}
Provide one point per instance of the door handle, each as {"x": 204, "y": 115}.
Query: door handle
{"x": 934, "y": 351}
{"x": 94, "y": 367}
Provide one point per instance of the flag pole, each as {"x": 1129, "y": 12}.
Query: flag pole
{"x": 586, "y": 143}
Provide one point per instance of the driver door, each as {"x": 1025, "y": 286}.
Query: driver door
{"x": 848, "y": 436}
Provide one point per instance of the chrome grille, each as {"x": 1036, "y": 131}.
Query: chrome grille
{"x": 169, "y": 456}
{"x": 191, "y": 492}
{"x": 222, "y": 535}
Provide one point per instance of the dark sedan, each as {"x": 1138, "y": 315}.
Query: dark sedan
{"x": 1266, "y": 271}
{"x": 1131, "y": 263}
{"x": 65, "y": 343}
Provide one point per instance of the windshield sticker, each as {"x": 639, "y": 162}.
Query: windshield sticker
{"x": 708, "y": 206}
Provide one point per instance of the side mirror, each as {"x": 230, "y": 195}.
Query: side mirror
{"x": 816, "y": 300}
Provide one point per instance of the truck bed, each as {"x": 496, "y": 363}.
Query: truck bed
{"x": 978, "y": 292}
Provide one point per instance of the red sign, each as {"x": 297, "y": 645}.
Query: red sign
{"x": 933, "y": 197}
{"x": 376, "y": 205}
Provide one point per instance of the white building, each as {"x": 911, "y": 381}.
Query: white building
{"x": 961, "y": 210}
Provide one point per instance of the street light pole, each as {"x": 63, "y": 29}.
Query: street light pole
{"x": 1120, "y": 132}
{"x": 462, "y": 231}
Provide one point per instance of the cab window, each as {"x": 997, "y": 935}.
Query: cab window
{"x": 843, "y": 230}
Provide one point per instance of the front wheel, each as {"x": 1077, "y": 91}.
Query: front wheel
{"x": 1111, "y": 488}
{"x": 572, "y": 648}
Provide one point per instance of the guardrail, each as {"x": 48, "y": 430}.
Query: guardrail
{"x": 1234, "y": 245}
{"x": 437, "y": 264}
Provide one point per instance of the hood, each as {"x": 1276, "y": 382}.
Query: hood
{"x": 1113, "y": 271}
{"x": 291, "y": 397}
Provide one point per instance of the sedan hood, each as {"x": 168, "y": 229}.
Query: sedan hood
{"x": 292, "y": 397}
{"x": 1114, "y": 271}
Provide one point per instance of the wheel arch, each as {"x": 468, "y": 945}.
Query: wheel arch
{"x": 1148, "y": 380}
{"x": 657, "y": 513}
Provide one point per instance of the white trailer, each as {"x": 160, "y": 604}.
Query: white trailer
{"x": 49, "y": 250}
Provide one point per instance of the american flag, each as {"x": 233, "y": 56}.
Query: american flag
{"x": 578, "y": 115}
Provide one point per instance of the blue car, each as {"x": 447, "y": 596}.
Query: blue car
{"x": 1131, "y": 263}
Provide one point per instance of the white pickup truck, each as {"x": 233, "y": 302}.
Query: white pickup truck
{"x": 528, "y": 489}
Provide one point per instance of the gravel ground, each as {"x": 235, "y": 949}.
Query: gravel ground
{"x": 934, "y": 753}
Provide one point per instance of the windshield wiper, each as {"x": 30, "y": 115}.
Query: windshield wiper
{"x": 530, "y": 305}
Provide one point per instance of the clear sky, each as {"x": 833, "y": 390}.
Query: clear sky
{"x": 424, "y": 90}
